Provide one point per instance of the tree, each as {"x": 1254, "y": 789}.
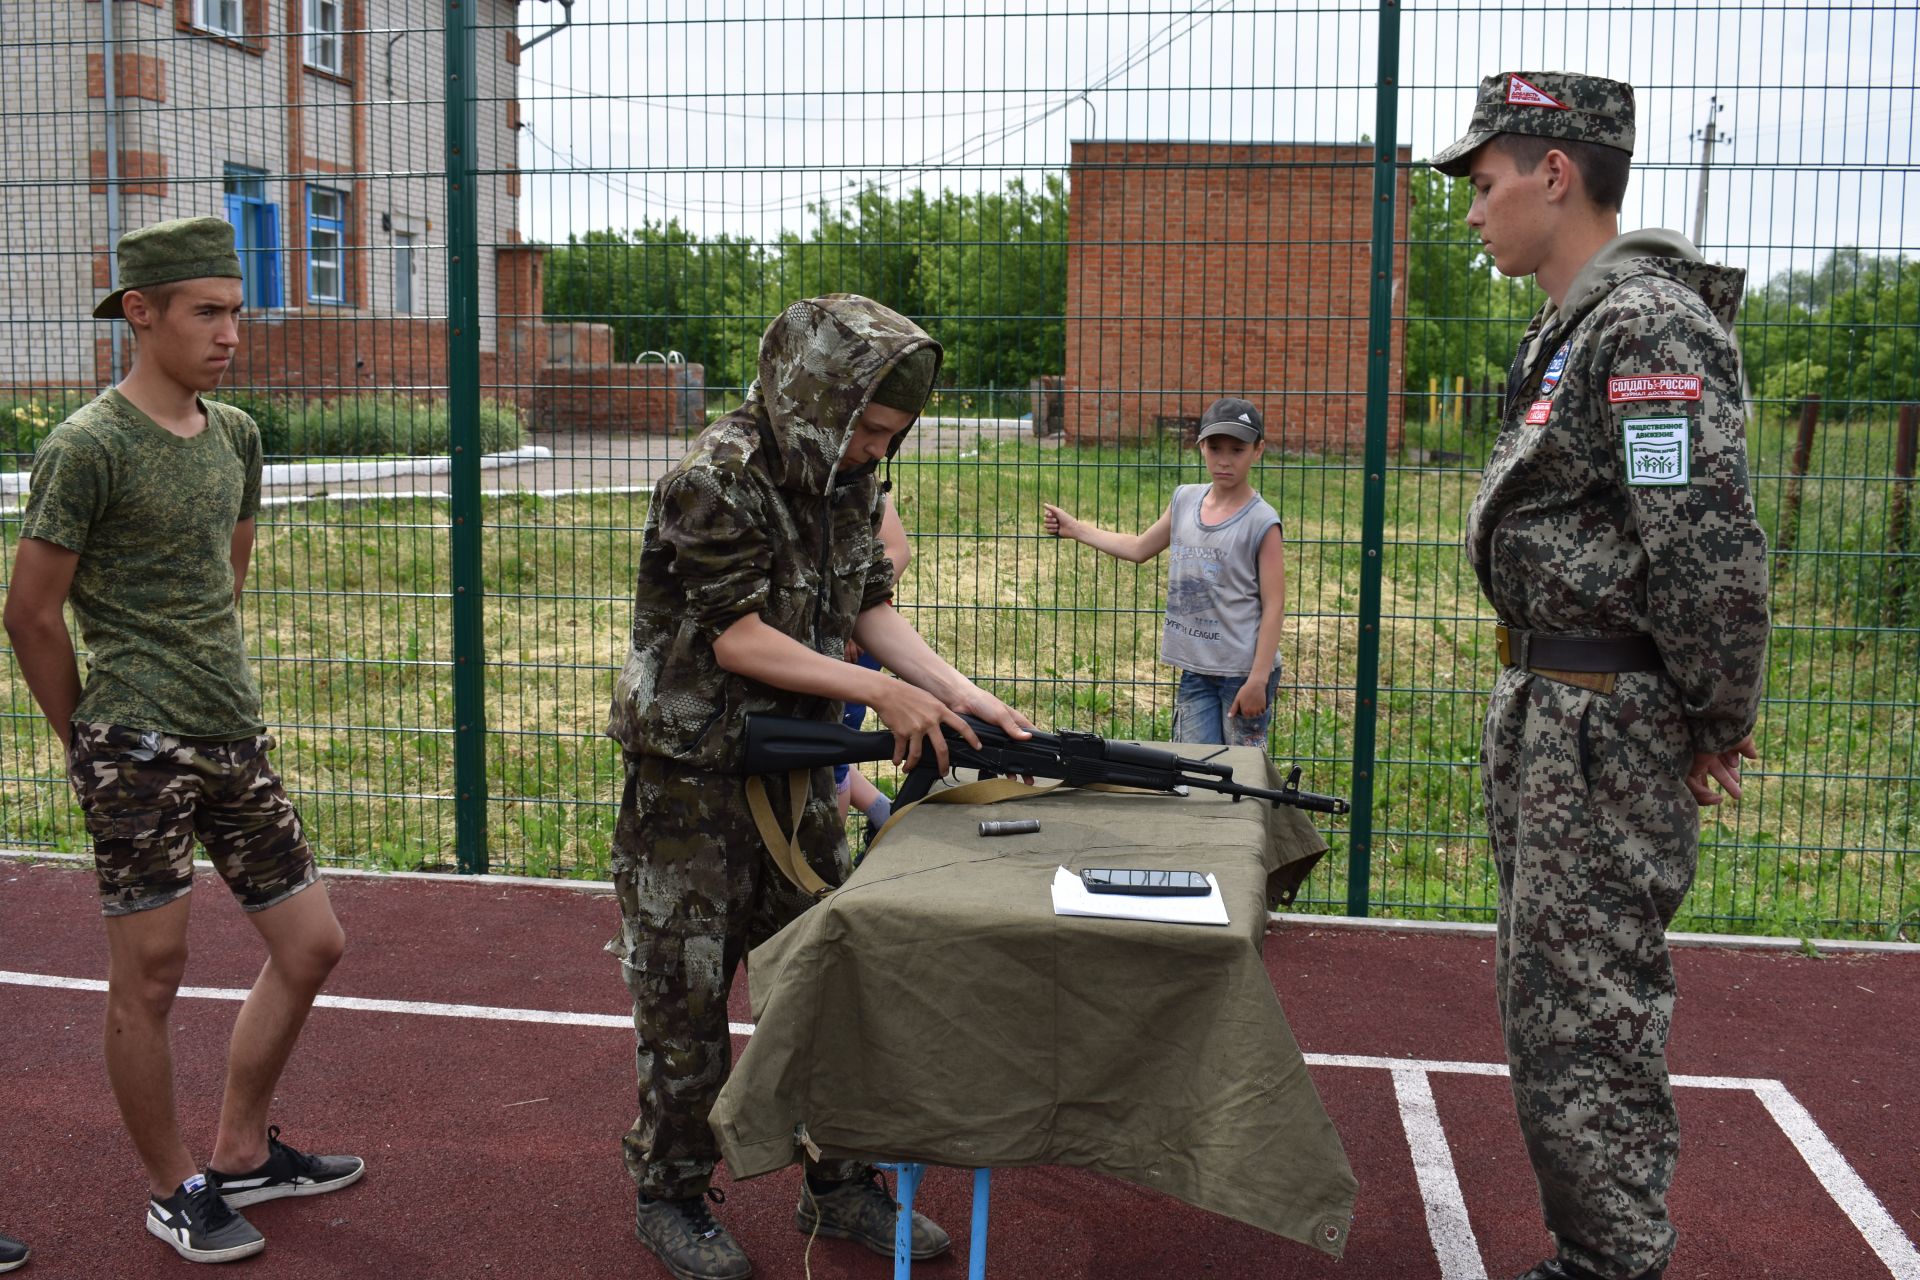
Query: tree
{"x": 1464, "y": 319}
{"x": 662, "y": 288}
{"x": 994, "y": 284}
{"x": 1848, "y": 331}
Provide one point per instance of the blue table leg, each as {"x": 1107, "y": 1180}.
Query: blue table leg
{"x": 908, "y": 1178}
{"x": 909, "y": 1182}
{"x": 977, "y": 1246}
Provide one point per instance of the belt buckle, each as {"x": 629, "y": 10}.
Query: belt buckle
{"x": 1502, "y": 642}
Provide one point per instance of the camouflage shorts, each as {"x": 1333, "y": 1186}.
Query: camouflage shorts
{"x": 148, "y": 795}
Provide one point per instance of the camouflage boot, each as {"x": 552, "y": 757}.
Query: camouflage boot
{"x": 1561, "y": 1269}
{"x": 863, "y": 1210}
{"x": 684, "y": 1236}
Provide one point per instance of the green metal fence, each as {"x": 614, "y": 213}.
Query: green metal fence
{"x": 538, "y": 242}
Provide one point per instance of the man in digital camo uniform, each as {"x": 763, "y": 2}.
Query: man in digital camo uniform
{"x": 1614, "y": 534}
{"x": 142, "y": 514}
{"x": 760, "y": 559}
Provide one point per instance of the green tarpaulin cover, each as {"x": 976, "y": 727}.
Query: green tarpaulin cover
{"x": 935, "y": 1009}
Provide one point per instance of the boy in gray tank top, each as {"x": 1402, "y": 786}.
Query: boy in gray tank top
{"x": 1226, "y": 583}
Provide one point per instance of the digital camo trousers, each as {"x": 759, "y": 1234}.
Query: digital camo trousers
{"x": 1595, "y": 838}
{"x": 697, "y": 891}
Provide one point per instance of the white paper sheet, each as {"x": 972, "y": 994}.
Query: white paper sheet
{"x": 1070, "y": 898}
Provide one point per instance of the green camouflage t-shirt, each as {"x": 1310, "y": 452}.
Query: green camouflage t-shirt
{"x": 152, "y": 516}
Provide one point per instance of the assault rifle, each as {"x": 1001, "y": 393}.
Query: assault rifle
{"x": 777, "y": 744}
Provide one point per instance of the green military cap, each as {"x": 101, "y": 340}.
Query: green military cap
{"x": 1546, "y": 104}
{"x": 183, "y": 249}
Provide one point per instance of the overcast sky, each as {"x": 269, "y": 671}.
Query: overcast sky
{"x": 732, "y": 116}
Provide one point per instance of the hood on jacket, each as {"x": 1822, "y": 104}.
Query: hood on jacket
{"x": 820, "y": 362}
{"x": 1654, "y": 251}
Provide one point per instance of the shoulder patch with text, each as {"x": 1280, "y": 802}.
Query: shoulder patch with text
{"x": 1659, "y": 386}
{"x": 1657, "y": 450}
{"x": 1537, "y": 412}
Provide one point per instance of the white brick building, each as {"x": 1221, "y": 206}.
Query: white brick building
{"x": 315, "y": 126}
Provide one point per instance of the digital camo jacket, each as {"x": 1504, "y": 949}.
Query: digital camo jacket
{"x": 1617, "y": 499}
{"x": 752, "y": 520}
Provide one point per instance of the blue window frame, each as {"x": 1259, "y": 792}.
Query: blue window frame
{"x": 326, "y": 245}
{"x": 256, "y": 234}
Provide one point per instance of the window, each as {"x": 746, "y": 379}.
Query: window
{"x": 403, "y": 264}
{"x": 326, "y": 244}
{"x": 245, "y": 182}
{"x": 221, "y": 17}
{"x": 323, "y": 35}
{"x": 256, "y": 234}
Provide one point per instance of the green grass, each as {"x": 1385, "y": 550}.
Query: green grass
{"x": 346, "y": 610}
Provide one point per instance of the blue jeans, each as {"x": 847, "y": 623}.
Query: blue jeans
{"x": 1201, "y": 711}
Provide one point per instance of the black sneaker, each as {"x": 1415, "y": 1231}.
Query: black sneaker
{"x": 200, "y": 1226}
{"x": 12, "y": 1253}
{"x": 286, "y": 1173}
{"x": 684, "y": 1236}
{"x": 861, "y": 1209}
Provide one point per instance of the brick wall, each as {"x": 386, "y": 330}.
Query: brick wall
{"x": 579, "y": 342}
{"x": 620, "y": 397}
{"x": 135, "y": 75}
{"x": 1196, "y": 270}
{"x": 322, "y": 356}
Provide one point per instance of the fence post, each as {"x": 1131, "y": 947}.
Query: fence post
{"x": 1797, "y": 470}
{"x": 463, "y": 402}
{"x": 1373, "y": 507}
{"x": 1897, "y": 529}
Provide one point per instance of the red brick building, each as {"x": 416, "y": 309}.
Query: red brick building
{"x": 1198, "y": 269}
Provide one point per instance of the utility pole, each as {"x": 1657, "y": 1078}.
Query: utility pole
{"x": 1706, "y": 137}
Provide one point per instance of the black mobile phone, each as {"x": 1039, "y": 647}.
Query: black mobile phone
{"x": 1157, "y": 884}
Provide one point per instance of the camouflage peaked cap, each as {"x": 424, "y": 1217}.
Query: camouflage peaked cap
{"x": 166, "y": 252}
{"x": 1545, "y": 104}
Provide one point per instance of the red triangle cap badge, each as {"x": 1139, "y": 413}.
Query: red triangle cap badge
{"x": 1522, "y": 94}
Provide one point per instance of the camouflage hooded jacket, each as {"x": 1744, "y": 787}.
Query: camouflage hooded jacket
{"x": 1617, "y": 500}
{"x": 753, "y": 520}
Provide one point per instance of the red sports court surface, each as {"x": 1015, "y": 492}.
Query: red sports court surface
{"x": 474, "y": 1048}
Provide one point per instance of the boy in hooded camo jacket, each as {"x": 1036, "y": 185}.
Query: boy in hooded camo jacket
{"x": 760, "y": 559}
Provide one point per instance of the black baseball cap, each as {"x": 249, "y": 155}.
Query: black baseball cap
{"x": 1230, "y": 417}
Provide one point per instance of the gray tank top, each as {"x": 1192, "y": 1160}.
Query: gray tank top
{"x": 1213, "y": 585}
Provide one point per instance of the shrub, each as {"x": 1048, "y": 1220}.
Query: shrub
{"x": 500, "y": 426}
{"x": 379, "y": 424}
{"x": 26, "y": 420}
{"x": 272, "y": 413}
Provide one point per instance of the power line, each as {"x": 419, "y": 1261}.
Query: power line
{"x": 1195, "y": 17}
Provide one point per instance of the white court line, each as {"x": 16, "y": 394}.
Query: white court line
{"x": 423, "y": 1008}
{"x": 1453, "y": 1239}
{"x": 1842, "y": 1183}
{"x": 1500, "y": 1069}
{"x": 1438, "y": 1185}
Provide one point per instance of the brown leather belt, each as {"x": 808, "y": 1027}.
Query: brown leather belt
{"x": 1591, "y": 662}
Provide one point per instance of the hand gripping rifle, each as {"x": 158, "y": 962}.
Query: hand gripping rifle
{"x": 777, "y": 744}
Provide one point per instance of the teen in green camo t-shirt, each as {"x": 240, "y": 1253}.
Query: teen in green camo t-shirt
{"x": 152, "y": 515}
{"x": 142, "y": 516}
